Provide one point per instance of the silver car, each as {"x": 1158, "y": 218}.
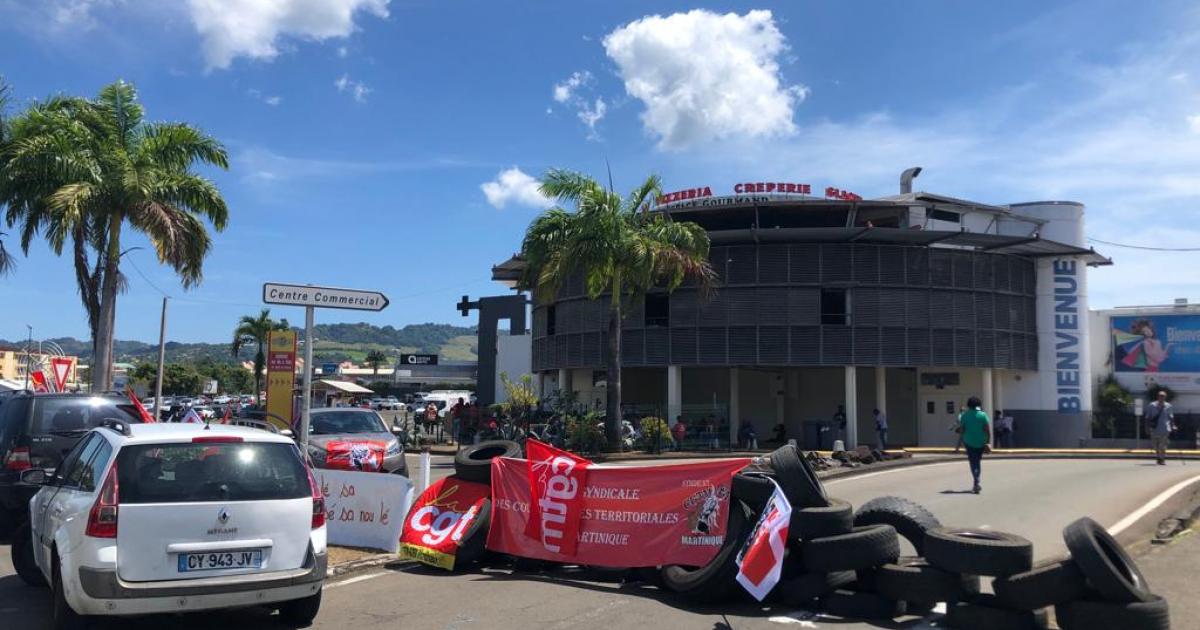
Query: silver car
{"x": 354, "y": 439}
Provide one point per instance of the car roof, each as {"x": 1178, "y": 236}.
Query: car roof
{"x": 158, "y": 432}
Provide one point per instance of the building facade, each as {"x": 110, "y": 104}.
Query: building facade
{"x": 909, "y": 304}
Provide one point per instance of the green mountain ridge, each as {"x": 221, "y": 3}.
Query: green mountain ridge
{"x": 334, "y": 342}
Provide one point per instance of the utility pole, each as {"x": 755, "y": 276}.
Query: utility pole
{"x": 28, "y": 355}
{"x": 306, "y": 404}
{"x": 162, "y": 355}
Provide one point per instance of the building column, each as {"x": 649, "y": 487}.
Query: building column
{"x": 674, "y": 393}
{"x": 881, "y": 389}
{"x": 735, "y": 415}
{"x": 564, "y": 380}
{"x": 998, "y": 388}
{"x": 851, "y": 408}
{"x": 987, "y": 399}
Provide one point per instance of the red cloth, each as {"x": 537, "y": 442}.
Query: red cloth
{"x": 557, "y": 480}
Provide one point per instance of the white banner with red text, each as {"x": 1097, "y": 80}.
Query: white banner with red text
{"x": 364, "y": 509}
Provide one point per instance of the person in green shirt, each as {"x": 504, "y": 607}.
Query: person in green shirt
{"x": 975, "y": 429}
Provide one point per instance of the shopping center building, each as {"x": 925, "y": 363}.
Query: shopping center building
{"x": 910, "y": 304}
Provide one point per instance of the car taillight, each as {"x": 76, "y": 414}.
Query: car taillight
{"x": 18, "y": 459}
{"x": 318, "y": 513}
{"x": 102, "y": 519}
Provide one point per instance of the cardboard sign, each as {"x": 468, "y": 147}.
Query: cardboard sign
{"x": 633, "y": 516}
{"x": 364, "y": 455}
{"x": 434, "y": 528}
{"x": 364, "y": 509}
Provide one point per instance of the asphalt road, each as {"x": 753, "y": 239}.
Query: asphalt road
{"x": 1032, "y": 498}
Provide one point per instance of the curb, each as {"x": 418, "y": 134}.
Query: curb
{"x": 377, "y": 560}
{"x": 1180, "y": 522}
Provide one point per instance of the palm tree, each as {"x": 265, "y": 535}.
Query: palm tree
{"x": 6, "y": 259}
{"x": 620, "y": 247}
{"x": 254, "y": 330}
{"x": 80, "y": 169}
{"x": 376, "y": 358}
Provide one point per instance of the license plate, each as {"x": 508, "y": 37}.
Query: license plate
{"x": 217, "y": 560}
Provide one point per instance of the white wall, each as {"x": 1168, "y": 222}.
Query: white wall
{"x": 514, "y": 356}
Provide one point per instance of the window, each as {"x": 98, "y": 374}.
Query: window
{"x": 835, "y": 307}
{"x": 78, "y": 414}
{"x": 550, "y": 320}
{"x": 945, "y": 215}
{"x": 658, "y": 310}
{"x": 346, "y": 421}
{"x": 73, "y": 472}
{"x": 93, "y": 473}
{"x": 219, "y": 471}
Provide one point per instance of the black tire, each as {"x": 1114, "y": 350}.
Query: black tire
{"x": 752, "y": 488}
{"x": 978, "y": 551}
{"x": 983, "y": 612}
{"x": 63, "y": 617}
{"x": 22, "y": 557}
{"x": 820, "y": 522}
{"x": 797, "y": 479}
{"x": 300, "y": 613}
{"x": 862, "y": 548}
{"x": 472, "y": 545}
{"x": 474, "y": 461}
{"x": 1105, "y": 564}
{"x": 912, "y": 579}
{"x": 1083, "y": 614}
{"x": 850, "y": 604}
{"x": 714, "y": 582}
{"x": 1046, "y": 584}
{"x": 910, "y": 519}
{"x": 802, "y": 590}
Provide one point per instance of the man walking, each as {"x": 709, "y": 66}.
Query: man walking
{"x": 881, "y": 428}
{"x": 1160, "y": 421}
{"x": 1003, "y": 429}
{"x": 839, "y": 423}
{"x": 976, "y": 436}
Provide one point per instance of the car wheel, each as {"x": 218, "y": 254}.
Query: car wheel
{"x": 22, "y": 557}
{"x": 63, "y": 616}
{"x": 300, "y": 613}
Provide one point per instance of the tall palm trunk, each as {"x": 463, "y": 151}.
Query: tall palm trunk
{"x": 102, "y": 370}
{"x": 612, "y": 419}
{"x": 86, "y": 279}
{"x": 259, "y": 363}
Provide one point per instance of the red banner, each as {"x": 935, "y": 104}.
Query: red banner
{"x": 633, "y": 516}
{"x": 438, "y": 519}
{"x": 365, "y": 455}
{"x": 556, "y": 482}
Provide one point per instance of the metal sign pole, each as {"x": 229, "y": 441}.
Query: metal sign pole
{"x": 162, "y": 356}
{"x": 306, "y": 403}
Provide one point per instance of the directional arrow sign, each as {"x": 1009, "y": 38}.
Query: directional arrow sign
{"x": 323, "y": 297}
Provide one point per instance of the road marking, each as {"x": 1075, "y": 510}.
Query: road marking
{"x": 355, "y": 580}
{"x": 1154, "y": 503}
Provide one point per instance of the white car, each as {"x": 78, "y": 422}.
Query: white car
{"x": 170, "y": 518}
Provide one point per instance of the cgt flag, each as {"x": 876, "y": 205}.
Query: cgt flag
{"x": 557, "y": 480}
{"x": 760, "y": 561}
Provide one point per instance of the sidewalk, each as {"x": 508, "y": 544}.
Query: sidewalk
{"x": 1171, "y": 571}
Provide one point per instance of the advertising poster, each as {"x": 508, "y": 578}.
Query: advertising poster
{"x": 364, "y": 509}
{"x": 1162, "y": 349}
{"x": 281, "y": 375}
{"x": 438, "y": 519}
{"x": 631, "y": 516}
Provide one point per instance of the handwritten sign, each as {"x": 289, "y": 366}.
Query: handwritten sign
{"x": 365, "y": 509}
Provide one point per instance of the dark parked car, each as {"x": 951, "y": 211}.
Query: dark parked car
{"x": 37, "y": 431}
{"x": 354, "y": 439}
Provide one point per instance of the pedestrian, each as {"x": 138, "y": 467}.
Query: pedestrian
{"x": 456, "y": 417}
{"x": 1160, "y": 421}
{"x": 881, "y": 428}
{"x": 1003, "y": 429}
{"x": 976, "y": 437}
{"x": 839, "y": 423}
{"x": 780, "y": 433}
{"x": 747, "y": 436}
{"x": 678, "y": 432}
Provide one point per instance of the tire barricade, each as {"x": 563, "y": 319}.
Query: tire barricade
{"x": 848, "y": 563}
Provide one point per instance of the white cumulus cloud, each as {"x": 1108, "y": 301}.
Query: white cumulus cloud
{"x": 706, "y": 76}
{"x": 563, "y": 91}
{"x": 514, "y": 185}
{"x": 254, "y": 28}
{"x": 572, "y": 93}
{"x": 357, "y": 89}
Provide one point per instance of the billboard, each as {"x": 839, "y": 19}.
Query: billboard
{"x": 418, "y": 359}
{"x": 1162, "y": 349}
{"x": 281, "y": 374}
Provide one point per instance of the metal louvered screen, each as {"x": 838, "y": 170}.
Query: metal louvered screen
{"x": 892, "y": 344}
{"x": 743, "y": 345}
{"x": 633, "y": 348}
{"x": 712, "y": 311}
{"x": 773, "y": 264}
{"x": 772, "y": 306}
{"x": 592, "y": 350}
{"x": 742, "y": 306}
{"x": 866, "y": 346}
{"x": 806, "y": 345}
{"x": 683, "y": 346}
{"x": 942, "y": 312}
{"x": 964, "y": 309}
{"x": 918, "y": 346}
{"x": 684, "y": 308}
{"x": 658, "y": 346}
{"x": 743, "y": 265}
{"x": 916, "y": 308}
{"x": 804, "y": 306}
{"x": 964, "y": 348}
{"x": 941, "y": 343}
{"x": 836, "y": 345}
{"x": 916, "y": 261}
{"x": 866, "y": 264}
{"x": 864, "y": 309}
{"x": 835, "y": 263}
{"x": 985, "y": 347}
{"x": 964, "y": 275}
{"x": 891, "y": 265}
{"x": 804, "y": 264}
{"x": 712, "y": 349}
{"x": 941, "y": 268}
{"x": 773, "y": 345}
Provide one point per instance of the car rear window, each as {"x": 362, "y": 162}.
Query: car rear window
{"x": 225, "y": 471}
{"x": 78, "y": 413}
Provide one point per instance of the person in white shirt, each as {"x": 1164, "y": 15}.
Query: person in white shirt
{"x": 1160, "y": 421}
{"x": 881, "y": 428}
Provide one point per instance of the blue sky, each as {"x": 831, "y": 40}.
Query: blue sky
{"x": 395, "y": 145}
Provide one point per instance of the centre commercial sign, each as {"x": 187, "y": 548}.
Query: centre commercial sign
{"x": 763, "y": 190}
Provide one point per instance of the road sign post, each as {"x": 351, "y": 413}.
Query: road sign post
{"x": 311, "y": 297}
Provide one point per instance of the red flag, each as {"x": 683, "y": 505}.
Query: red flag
{"x": 760, "y": 562}
{"x": 556, "y": 481}
{"x": 38, "y": 380}
{"x": 228, "y": 414}
{"x": 146, "y": 415}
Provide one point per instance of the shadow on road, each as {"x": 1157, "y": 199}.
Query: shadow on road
{"x": 23, "y": 606}
{"x": 957, "y": 492}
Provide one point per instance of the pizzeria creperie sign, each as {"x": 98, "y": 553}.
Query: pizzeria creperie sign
{"x": 751, "y": 189}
